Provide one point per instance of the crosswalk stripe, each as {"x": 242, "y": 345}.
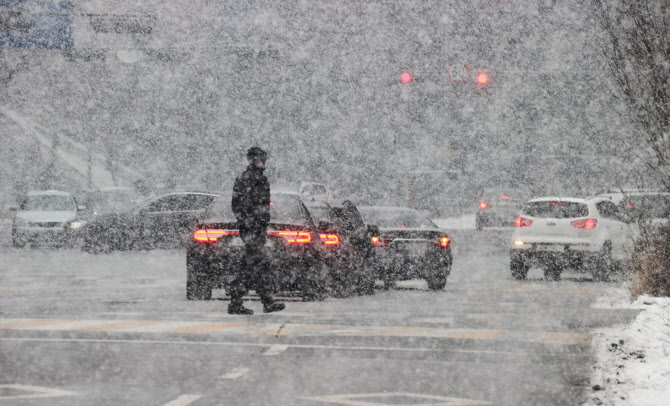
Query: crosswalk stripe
{"x": 235, "y": 373}
{"x": 292, "y": 329}
{"x": 275, "y": 350}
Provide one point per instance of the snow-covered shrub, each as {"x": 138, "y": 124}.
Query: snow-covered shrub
{"x": 651, "y": 264}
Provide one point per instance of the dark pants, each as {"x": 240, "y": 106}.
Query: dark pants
{"x": 254, "y": 272}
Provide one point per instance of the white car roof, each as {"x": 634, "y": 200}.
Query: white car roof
{"x": 558, "y": 199}
{"x": 48, "y": 193}
{"x": 386, "y": 208}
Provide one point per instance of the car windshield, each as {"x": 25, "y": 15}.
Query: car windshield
{"x": 48, "y": 203}
{"x": 650, "y": 206}
{"x": 283, "y": 208}
{"x": 395, "y": 218}
{"x": 556, "y": 209}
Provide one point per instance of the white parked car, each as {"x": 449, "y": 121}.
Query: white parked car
{"x": 556, "y": 233}
{"x": 46, "y": 217}
{"x": 649, "y": 207}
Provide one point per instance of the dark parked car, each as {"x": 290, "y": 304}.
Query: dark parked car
{"x": 409, "y": 246}
{"x": 351, "y": 253}
{"x": 294, "y": 248}
{"x": 499, "y": 207}
{"x": 165, "y": 221}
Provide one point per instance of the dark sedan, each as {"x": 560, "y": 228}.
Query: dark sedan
{"x": 165, "y": 221}
{"x": 409, "y": 246}
{"x": 351, "y": 253}
{"x": 294, "y": 248}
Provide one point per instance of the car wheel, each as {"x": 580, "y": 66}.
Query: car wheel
{"x": 437, "y": 282}
{"x": 519, "y": 268}
{"x": 197, "y": 287}
{"x": 479, "y": 223}
{"x": 198, "y": 290}
{"x": 604, "y": 264}
{"x": 553, "y": 272}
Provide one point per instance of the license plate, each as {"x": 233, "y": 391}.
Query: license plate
{"x": 413, "y": 250}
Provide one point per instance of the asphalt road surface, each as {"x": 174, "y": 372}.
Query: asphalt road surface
{"x": 80, "y": 329}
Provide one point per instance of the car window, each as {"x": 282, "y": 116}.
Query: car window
{"x": 555, "y": 209}
{"x": 608, "y": 210}
{"x": 392, "y": 218}
{"x": 166, "y": 203}
{"x": 319, "y": 213}
{"x": 48, "y": 203}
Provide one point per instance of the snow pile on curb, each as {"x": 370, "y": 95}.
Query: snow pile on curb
{"x": 633, "y": 362}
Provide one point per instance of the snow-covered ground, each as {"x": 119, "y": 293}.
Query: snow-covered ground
{"x": 464, "y": 222}
{"x": 633, "y": 361}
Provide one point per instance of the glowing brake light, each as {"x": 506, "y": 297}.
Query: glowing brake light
{"x": 293, "y": 237}
{"x": 587, "y": 224}
{"x": 330, "y": 239}
{"x": 212, "y": 235}
{"x": 402, "y": 225}
{"x": 504, "y": 197}
{"x": 630, "y": 206}
{"x": 522, "y": 222}
{"x": 483, "y": 205}
{"x": 443, "y": 242}
{"x": 376, "y": 242}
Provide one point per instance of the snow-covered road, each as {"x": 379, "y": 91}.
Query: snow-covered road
{"x": 116, "y": 329}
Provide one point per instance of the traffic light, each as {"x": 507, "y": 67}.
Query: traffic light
{"x": 406, "y": 77}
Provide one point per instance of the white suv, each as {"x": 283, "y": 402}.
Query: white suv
{"x": 556, "y": 233}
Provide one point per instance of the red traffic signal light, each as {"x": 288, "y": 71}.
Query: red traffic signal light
{"x": 406, "y": 77}
{"x": 483, "y": 78}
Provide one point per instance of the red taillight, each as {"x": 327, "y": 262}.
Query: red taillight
{"x": 630, "y": 206}
{"x": 483, "y": 205}
{"x": 330, "y": 239}
{"x": 505, "y": 197}
{"x": 402, "y": 225}
{"x": 381, "y": 241}
{"x": 523, "y": 222}
{"x": 443, "y": 242}
{"x": 293, "y": 237}
{"x": 587, "y": 224}
{"x": 212, "y": 235}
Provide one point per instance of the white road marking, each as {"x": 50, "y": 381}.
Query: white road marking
{"x": 310, "y": 346}
{"x": 235, "y": 373}
{"x": 376, "y": 399}
{"x": 38, "y": 392}
{"x": 276, "y": 350}
{"x": 183, "y": 400}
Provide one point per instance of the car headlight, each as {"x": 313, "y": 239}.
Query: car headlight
{"x": 75, "y": 225}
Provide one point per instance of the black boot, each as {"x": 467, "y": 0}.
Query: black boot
{"x": 239, "y": 309}
{"x": 269, "y": 304}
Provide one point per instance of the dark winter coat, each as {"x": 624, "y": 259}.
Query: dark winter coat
{"x": 251, "y": 200}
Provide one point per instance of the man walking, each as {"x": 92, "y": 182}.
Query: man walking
{"x": 251, "y": 206}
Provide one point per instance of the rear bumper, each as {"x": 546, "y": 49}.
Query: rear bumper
{"x": 220, "y": 267}
{"x": 54, "y": 235}
{"x": 567, "y": 257}
{"x": 399, "y": 265}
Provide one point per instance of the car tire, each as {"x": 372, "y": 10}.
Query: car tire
{"x": 553, "y": 272}
{"x": 604, "y": 264}
{"x": 437, "y": 282}
{"x": 198, "y": 290}
{"x": 479, "y": 224}
{"x": 197, "y": 287}
{"x": 519, "y": 268}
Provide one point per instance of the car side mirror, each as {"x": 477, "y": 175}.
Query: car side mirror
{"x": 13, "y": 208}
